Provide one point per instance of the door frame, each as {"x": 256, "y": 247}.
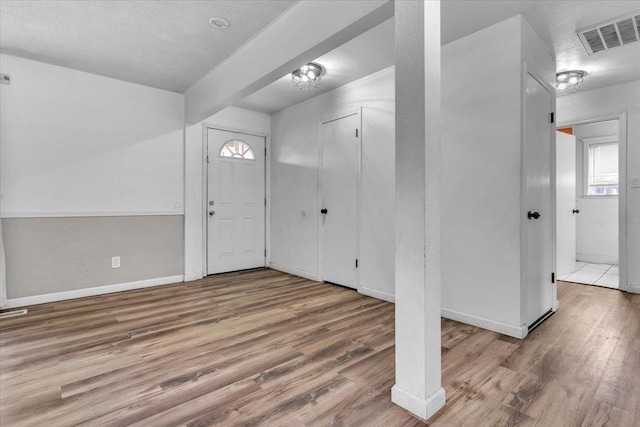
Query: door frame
{"x": 205, "y": 190}
{"x": 524, "y": 265}
{"x": 327, "y": 119}
{"x": 623, "y": 260}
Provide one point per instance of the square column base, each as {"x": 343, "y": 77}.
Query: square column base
{"x": 424, "y": 408}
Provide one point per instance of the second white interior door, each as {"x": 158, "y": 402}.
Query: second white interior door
{"x": 339, "y": 210}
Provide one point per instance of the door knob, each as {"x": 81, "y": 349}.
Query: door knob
{"x": 212, "y": 213}
{"x": 534, "y": 215}
{"x": 323, "y": 211}
{"x": 576, "y": 211}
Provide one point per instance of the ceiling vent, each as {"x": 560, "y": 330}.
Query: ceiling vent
{"x": 615, "y": 33}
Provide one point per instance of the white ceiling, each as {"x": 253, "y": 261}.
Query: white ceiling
{"x": 556, "y": 22}
{"x": 369, "y": 52}
{"x": 170, "y": 44}
{"x": 164, "y": 44}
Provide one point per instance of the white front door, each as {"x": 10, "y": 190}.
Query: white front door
{"x": 565, "y": 203}
{"x": 339, "y": 210}
{"x": 236, "y": 201}
{"x": 539, "y": 133}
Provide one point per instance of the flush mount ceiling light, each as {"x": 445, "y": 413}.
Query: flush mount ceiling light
{"x": 308, "y": 76}
{"x": 569, "y": 81}
{"x": 219, "y": 23}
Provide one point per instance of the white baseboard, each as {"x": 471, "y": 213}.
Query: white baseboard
{"x": 492, "y": 325}
{"x": 89, "y": 292}
{"x": 597, "y": 259}
{"x": 633, "y": 289}
{"x": 294, "y": 271}
{"x": 424, "y": 408}
{"x": 190, "y": 277}
{"x": 377, "y": 294}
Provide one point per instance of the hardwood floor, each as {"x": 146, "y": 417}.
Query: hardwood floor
{"x": 267, "y": 348}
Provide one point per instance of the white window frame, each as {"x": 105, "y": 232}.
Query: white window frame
{"x": 586, "y": 142}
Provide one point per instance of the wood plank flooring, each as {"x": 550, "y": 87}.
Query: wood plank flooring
{"x": 267, "y": 348}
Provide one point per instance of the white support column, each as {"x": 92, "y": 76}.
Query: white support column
{"x": 418, "y": 370}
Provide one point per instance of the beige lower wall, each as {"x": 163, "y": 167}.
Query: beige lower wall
{"x": 49, "y": 255}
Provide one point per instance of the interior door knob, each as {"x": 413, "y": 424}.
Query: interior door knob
{"x": 212, "y": 213}
{"x": 323, "y": 211}
{"x": 576, "y": 211}
{"x": 534, "y": 215}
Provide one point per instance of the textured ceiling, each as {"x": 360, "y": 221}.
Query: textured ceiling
{"x": 369, "y": 52}
{"x": 556, "y": 22}
{"x": 164, "y": 44}
{"x": 170, "y": 44}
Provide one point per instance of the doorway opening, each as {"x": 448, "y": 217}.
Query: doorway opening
{"x": 590, "y": 158}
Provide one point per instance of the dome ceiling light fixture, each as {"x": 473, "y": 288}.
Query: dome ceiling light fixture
{"x": 568, "y": 82}
{"x": 308, "y": 76}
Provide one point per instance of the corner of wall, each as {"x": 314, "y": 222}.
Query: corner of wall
{"x": 538, "y": 55}
{"x": 481, "y": 322}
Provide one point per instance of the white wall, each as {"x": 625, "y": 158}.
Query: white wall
{"x": 295, "y": 184}
{"x": 597, "y": 222}
{"x": 231, "y": 118}
{"x": 604, "y": 103}
{"x": 597, "y": 230}
{"x": 481, "y": 174}
{"x": 75, "y": 143}
{"x": 105, "y": 158}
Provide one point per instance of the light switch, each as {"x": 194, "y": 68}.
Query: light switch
{"x": 635, "y": 182}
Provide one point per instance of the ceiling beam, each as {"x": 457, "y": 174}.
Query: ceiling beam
{"x": 305, "y": 32}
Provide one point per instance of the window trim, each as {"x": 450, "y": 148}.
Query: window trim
{"x": 586, "y": 143}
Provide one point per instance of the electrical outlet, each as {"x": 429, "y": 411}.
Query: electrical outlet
{"x": 115, "y": 262}
{"x": 635, "y": 182}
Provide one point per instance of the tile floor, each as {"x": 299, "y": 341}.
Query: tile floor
{"x": 593, "y": 274}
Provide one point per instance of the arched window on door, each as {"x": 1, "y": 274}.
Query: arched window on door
{"x": 237, "y": 149}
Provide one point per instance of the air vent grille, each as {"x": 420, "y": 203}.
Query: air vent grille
{"x": 615, "y": 33}
{"x": 627, "y": 31}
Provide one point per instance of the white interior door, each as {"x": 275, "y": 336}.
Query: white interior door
{"x": 565, "y": 203}
{"x": 539, "y": 132}
{"x": 236, "y": 201}
{"x": 339, "y": 212}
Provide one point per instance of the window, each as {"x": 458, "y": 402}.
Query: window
{"x": 237, "y": 149}
{"x": 602, "y": 168}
